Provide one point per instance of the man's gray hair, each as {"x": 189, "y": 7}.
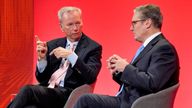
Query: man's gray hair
{"x": 67, "y": 9}
{"x": 151, "y": 11}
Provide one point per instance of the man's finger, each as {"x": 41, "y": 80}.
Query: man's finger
{"x": 37, "y": 38}
{"x": 52, "y": 52}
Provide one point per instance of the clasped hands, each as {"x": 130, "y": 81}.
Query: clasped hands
{"x": 59, "y": 52}
{"x": 116, "y": 64}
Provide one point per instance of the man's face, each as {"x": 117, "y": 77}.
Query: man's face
{"x": 72, "y": 25}
{"x": 138, "y": 27}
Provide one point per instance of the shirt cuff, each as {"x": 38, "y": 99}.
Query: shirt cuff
{"x": 41, "y": 64}
{"x": 72, "y": 58}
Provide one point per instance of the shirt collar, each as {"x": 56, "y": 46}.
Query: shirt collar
{"x": 69, "y": 42}
{"x": 149, "y": 39}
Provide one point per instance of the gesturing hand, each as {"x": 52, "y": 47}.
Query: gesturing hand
{"x": 41, "y": 48}
{"x": 61, "y": 52}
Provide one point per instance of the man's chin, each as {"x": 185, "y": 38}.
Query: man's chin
{"x": 135, "y": 37}
{"x": 138, "y": 40}
{"x": 76, "y": 36}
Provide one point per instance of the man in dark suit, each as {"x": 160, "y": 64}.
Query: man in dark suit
{"x": 84, "y": 64}
{"x": 154, "y": 67}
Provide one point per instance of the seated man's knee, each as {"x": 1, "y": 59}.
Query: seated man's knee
{"x": 84, "y": 99}
{"x": 26, "y": 88}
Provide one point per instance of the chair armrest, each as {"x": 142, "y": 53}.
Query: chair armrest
{"x": 76, "y": 93}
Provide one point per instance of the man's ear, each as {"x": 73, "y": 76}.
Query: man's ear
{"x": 148, "y": 23}
{"x": 61, "y": 27}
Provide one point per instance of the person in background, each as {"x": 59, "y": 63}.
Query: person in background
{"x": 63, "y": 65}
{"x": 155, "y": 66}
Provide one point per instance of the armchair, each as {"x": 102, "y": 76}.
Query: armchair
{"x": 76, "y": 93}
{"x": 161, "y": 99}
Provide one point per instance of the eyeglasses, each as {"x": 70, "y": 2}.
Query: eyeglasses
{"x": 134, "y": 22}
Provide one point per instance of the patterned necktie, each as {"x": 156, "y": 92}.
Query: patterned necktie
{"x": 137, "y": 53}
{"x": 60, "y": 74}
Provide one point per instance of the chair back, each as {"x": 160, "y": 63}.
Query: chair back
{"x": 76, "y": 93}
{"x": 162, "y": 99}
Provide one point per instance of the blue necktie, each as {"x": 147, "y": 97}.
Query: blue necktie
{"x": 137, "y": 53}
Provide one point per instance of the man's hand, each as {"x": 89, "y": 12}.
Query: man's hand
{"x": 116, "y": 64}
{"x": 61, "y": 52}
{"x": 41, "y": 48}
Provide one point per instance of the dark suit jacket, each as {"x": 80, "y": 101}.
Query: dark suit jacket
{"x": 85, "y": 70}
{"x": 155, "y": 68}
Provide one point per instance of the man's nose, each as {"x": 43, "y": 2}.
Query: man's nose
{"x": 131, "y": 28}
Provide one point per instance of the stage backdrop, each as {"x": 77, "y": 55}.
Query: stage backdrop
{"x": 16, "y": 47}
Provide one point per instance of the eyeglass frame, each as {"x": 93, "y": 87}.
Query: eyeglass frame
{"x": 135, "y": 22}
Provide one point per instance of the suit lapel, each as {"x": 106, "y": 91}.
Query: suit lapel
{"x": 148, "y": 47}
{"x": 80, "y": 49}
{"x": 81, "y": 46}
{"x": 62, "y": 42}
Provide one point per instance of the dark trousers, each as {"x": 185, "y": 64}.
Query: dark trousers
{"x": 36, "y": 96}
{"x": 97, "y": 101}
